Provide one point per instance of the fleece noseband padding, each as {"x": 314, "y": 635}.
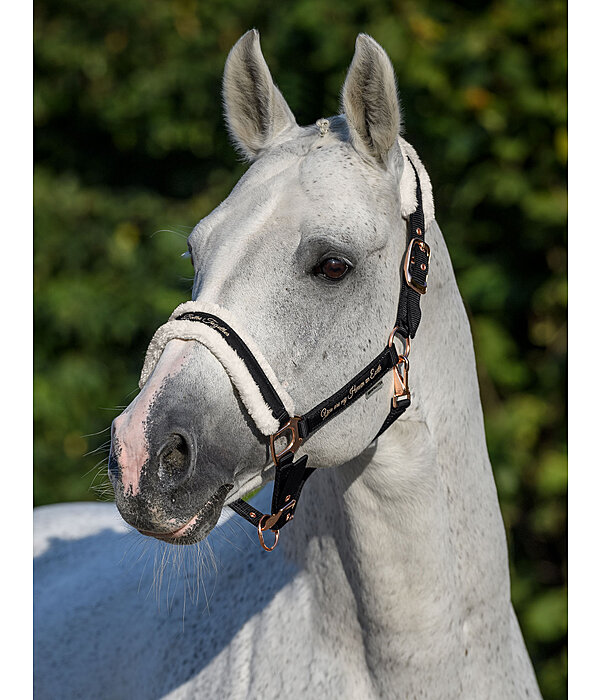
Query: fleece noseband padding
{"x": 267, "y": 402}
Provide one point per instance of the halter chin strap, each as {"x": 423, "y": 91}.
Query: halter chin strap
{"x": 268, "y": 403}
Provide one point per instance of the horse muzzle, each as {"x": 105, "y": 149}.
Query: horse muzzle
{"x": 172, "y": 461}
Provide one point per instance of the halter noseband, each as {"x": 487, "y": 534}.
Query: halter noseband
{"x": 247, "y": 365}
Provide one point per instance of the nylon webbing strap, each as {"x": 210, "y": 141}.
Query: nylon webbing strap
{"x": 393, "y": 415}
{"x": 354, "y": 389}
{"x": 267, "y": 390}
{"x": 290, "y": 478}
{"x": 415, "y": 267}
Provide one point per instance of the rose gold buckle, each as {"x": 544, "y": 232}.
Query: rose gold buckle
{"x": 410, "y": 281}
{"x": 294, "y": 442}
{"x": 269, "y": 521}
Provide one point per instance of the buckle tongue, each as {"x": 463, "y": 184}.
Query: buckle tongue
{"x": 409, "y": 260}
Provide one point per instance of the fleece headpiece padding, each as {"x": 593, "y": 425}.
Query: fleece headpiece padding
{"x": 408, "y": 185}
{"x": 213, "y": 339}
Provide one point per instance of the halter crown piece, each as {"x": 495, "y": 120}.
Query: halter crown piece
{"x": 267, "y": 402}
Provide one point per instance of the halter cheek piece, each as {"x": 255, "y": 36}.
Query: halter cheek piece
{"x": 248, "y": 367}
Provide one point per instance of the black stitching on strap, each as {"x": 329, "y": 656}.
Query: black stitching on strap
{"x": 252, "y": 515}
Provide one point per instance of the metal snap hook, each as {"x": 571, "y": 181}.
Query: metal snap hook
{"x": 400, "y": 374}
{"x": 400, "y": 369}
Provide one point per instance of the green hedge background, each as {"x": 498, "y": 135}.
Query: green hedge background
{"x": 131, "y": 152}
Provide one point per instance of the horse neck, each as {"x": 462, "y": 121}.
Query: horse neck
{"x": 409, "y": 534}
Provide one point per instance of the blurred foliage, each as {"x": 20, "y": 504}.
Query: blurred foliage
{"x": 131, "y": 152}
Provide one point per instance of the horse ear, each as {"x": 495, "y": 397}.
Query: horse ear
{"x": 255, "y": 110}
{"x": 370, "y": 100}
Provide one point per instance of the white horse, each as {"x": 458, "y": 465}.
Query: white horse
{"x": 392, "y": 581}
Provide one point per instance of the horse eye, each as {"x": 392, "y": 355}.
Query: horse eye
{"x": 333, "y": 268}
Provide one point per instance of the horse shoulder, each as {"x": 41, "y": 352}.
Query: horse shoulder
{"x": 118, "y": 615}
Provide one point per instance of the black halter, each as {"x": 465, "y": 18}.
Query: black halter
{"x": 291, "y": 476}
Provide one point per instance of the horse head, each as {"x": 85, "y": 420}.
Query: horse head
{"x": 303, "y": 259}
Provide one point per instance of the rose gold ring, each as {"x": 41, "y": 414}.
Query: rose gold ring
{"x": 261, "y": 539}
{"x": 406, "y": 342}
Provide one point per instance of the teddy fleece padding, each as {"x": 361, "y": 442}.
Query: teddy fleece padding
{"x": 408, "y": 185}
{"x": 233, "y": 364}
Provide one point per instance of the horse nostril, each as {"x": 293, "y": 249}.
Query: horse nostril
{"x": 113, "y": 466}
{"x": 174, "y": 457}
{"x": 113, "y": 461}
